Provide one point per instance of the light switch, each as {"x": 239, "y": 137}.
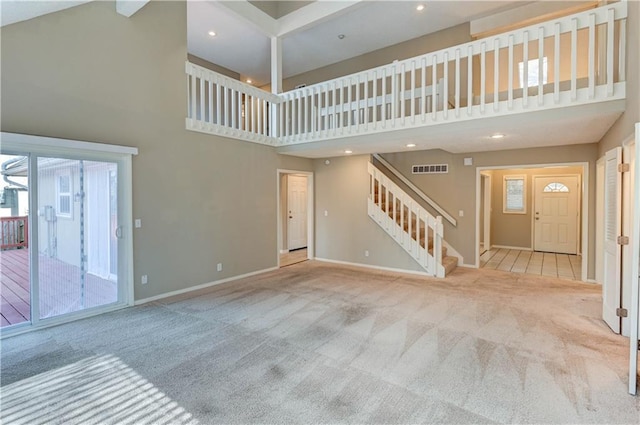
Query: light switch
{"x": 326, "y": 213}
{"x": 138, "y": 223}
{"x": 468, "y": 161}
{"x": 461, "y": 213}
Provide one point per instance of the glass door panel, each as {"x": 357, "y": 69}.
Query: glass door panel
{"x": 15, "y": 292}
{"x": 77, "y": 225}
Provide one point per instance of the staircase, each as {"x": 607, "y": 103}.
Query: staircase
{"x": 409, "y": 224}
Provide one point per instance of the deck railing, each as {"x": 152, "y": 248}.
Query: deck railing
{"x": 573, "y": 60}
{"x": 14, "y": 232}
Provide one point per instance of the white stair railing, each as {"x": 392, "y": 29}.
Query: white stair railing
{"x": 404, "y": 219}
{"x": 221, "y": 105}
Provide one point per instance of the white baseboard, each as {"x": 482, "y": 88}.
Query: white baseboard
{"x": 369, "y": 266}
{"x": 204, "y": 285}
{"x": 284, "y": 251}
{"x": 467, "y": 266}
{"x": 520, "y": 248}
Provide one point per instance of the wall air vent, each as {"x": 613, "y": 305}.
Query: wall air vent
{"x": 430, "y": 169}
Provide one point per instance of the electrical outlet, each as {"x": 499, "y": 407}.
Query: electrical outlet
{"x": 219, "y": 267}
{"x": 144, "y": 279}
{"x": 366, "y": 253}
{"x": 326, "y": 213}
{"x": 138, "y": 223}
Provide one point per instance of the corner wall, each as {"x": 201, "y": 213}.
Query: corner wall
{"x": 87, "y": 73}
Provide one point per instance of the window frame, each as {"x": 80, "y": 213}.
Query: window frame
{"x": 514, "y": 177}
{"x": 60, "y": 194}
{"x": 536, "y": 64}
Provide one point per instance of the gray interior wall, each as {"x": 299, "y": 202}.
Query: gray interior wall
{"x": 456, "y": 191}
{"x": 515, "y": 230}
{"x": 624, "y": 127}
{"x": 89, "y": 74}
{"x": 417, "y": 46}
{"x": 213, "y": 67}
{"x": 346, "y": 232}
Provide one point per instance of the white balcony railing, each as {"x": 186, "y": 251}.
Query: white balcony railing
{"x": 574, "y": 60}
{"x": 221, "y": 105}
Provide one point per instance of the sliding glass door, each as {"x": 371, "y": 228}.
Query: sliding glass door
{"x": 77, "y": 235}
{"x": 15, "y": 292}
{"x": 65, "y": 249}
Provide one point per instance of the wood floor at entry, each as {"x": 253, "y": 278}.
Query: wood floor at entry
{"x": 530, "y": 262}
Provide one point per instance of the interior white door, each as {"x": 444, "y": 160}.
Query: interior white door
{"x": 611, "y": 285}
{"x": 556, "y": 214}
{"x": 297, "y": 209}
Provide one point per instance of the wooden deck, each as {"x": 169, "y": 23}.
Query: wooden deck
{"x": 60, "y": 289}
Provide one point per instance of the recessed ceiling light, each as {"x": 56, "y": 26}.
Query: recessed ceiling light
{"x": 497, "y": 136}
{"x": 411, "y": 145}
{"x": 420, "y": 7}
{"x": 341, "y": 36}
{"x": 249, "y": 81}
{"x": 348, "y": 151}
{"x": 212, "y": 33}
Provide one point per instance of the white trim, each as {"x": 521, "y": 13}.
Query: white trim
{"x": 284, "y": 251}
{"x": 25, "y": 327}
{"x": 202, "y": 286}
{"x": 584, "y": 212}
{"x": 41, "y": 144}
{"x": 310, "y": 212}
{"x": 370, "y": 266}
{"x": 634, "y": 316}
{"x": 519, "y": 248}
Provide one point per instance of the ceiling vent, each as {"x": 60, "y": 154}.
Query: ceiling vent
{"x": 430, "y": 169}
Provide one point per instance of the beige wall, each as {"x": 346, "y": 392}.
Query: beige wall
{"x": 418, "y": 46}
{"x": 347, "y": 231}
{"x": 456, "y": 190}
{"x": 515, "y": 230}
{"x": 89, "y": 74}
{"x": 624, "y": 127}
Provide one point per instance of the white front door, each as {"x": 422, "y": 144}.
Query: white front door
{"x": 611, "y": 285}
{"x": 556, "y": 214}
{"x": 297, "y": 212}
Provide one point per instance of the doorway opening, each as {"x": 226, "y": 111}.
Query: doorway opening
{"x": 295, "y": 217}
{"x": 533, "y": 219}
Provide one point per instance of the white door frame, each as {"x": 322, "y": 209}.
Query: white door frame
{"x": 634, "y": 311}
{"x": 310, "y": 211}
{"x": 584, "y": 238}
{"x": 533, "y": 205}
{"x": 487, "y": 181}
{"x": 38, "y": 146}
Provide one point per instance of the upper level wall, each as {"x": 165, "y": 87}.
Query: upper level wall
{"x": 89, "y": 74}
{"x": 425, "y": 44}
{"x": 624, "y": 127}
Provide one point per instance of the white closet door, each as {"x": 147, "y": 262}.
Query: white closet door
{"x": 611, "y": 286}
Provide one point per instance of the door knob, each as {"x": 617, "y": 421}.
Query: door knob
{"x": 290, "y": 216}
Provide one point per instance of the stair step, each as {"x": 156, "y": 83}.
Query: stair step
{"x": 450, "y": 264}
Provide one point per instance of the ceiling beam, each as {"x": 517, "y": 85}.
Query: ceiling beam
{"x": 313, "y": 14}
{"x": 129, "y": 7}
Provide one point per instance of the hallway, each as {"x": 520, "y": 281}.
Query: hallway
{"x": 530, "y": 262}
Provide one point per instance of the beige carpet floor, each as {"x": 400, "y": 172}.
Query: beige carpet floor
{"x": 320, "y": 343}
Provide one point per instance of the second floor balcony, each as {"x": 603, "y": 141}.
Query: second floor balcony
{"x": 540, "y": 80}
